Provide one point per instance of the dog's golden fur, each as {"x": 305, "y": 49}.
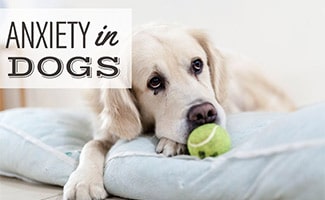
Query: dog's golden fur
{"x": 225, "y": 82}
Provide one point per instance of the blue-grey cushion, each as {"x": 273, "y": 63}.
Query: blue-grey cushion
{"x": 274, "y": 156}
{"x": 42, "y": 145}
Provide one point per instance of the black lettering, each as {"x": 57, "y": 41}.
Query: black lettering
{"x": 41, "y": 36}
{"x": 51, "y": 34}
{"x": 25, "y": 32}
{"x": 113, "y": 69}
{"x": 84, "y": 32}
{"x": 86, "y": 69}
{"x": 72, "y": 32}
{"x": 42, "y": 71}
{"x": 109, "y": 35}
{"x": 15, "y": 63}
{"x": 13, "y": 31}
{"x": 58, "y": 33}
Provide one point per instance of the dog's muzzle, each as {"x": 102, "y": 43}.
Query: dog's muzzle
{"x": 201, "y": 114}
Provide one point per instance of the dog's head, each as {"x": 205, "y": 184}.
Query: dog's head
{"x": 178, "y": 84}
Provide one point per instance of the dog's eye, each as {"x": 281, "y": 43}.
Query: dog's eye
{"x": 197, "y": 66}
{"x": 156, "y": 83}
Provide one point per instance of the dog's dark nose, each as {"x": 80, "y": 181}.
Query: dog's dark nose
{"x": 202, "y": 114}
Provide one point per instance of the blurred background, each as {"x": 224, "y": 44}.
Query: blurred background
{"x": 286, "y": 39}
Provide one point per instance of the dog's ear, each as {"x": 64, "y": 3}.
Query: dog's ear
{"x": 216, "y": 65}
{"x": 119, "y": 114}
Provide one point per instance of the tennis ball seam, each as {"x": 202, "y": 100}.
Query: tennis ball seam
{"x": 207, "y": 140}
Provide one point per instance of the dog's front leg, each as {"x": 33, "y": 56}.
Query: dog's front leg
{"x": 86, "y": 182}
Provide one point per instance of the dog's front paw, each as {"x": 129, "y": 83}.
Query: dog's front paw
{"x": 170, "y": 148}
{"x": 84, "y": 186}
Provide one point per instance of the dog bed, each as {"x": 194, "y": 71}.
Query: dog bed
{"x": 273, "y": 156}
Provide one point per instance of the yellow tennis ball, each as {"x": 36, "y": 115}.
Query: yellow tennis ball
{"x": 208, "y": 140}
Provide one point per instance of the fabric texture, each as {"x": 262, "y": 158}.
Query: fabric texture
{"x": 273, "y": 156}
{"x": 42, "y": 145}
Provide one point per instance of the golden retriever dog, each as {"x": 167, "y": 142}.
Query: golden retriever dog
{"x": 180, "y": 81}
